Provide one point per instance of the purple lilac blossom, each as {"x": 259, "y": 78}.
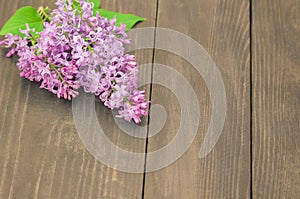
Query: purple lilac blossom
{"x": 77, "y": 49}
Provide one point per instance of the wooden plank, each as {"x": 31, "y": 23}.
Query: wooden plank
{"x": 276, "y": 99}
{"x": 41, "y": 155}
{"x": 222, "y": 28}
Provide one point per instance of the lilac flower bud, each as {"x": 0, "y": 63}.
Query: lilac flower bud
{"x": 93, "y": 21}
{"x": 130, "y": 57}
{"x": 40, "y": 56}
{"x": 11, "y": 52}
{"x": 2, "y": 42}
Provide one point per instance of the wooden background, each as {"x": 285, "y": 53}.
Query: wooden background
{"x": 255, "y": 44}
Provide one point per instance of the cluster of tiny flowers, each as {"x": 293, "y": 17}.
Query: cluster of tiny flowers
{"x": 77, "y": 49}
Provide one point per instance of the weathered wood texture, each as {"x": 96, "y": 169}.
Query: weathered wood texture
{"x": 41, "y": 155}
{"x": 222, "y": 28}
{"x": 276, "y": 99}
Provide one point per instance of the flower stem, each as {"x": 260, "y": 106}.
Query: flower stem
{"x": 57, "y": 72}
{"x": 43, "y": 13}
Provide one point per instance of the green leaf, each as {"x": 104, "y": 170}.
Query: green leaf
{"x": 76, "y": 6}
{"x": 128, "y": 19}
{"x": 18, "y": 21}
{"x": 96, "y": 3}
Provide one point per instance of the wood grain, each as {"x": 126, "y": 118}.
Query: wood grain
{"x": 276, "y": 99}
{"x": 222, "y": 28}
{"x": 41, "y": 155}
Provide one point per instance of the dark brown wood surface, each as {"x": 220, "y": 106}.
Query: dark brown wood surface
{"x": 257, "y": 155}
{"x": 276, "y": 99}
{"x": 222, "y": 28}
{"x": 41, "y": 154}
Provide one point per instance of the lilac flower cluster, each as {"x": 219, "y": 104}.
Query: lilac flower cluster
{"x": 77, "y": 49}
